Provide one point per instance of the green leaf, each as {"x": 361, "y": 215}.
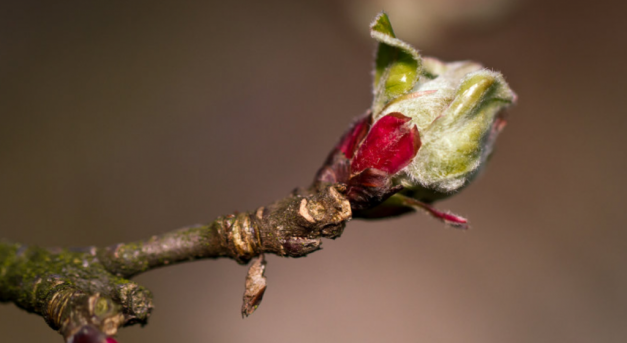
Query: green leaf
{"x": 397, "y": 65}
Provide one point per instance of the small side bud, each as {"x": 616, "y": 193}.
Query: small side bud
{"x": 300, "y": 246}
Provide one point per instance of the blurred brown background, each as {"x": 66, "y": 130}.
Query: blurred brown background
{"x": 119, "y": 121}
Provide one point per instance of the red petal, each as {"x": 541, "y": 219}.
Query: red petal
{"x": 111, "y": 340}
{"x": 351, "y": 139}
{"x": 390, "y": 145}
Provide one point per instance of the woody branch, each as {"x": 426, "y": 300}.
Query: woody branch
{"x": 74, "y": 288}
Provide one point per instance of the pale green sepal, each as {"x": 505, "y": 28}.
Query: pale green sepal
{"x": 397, "y": 66}
{"x": 456, "y": 143}
{"x": 430, "y": 97}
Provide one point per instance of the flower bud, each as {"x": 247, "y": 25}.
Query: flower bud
{"x": 457, "y": 110}
{"x": 430, "y": 129}
{"x": 368, "y": 157}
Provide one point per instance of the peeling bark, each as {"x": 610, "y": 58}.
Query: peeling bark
{"x": 78, "y": 290}
{"x": 255, "y": 286}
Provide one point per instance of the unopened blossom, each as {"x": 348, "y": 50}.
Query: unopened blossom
{"x": 429, "y": 131}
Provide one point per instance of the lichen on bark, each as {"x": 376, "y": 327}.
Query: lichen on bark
{"x": 72, "y": 289}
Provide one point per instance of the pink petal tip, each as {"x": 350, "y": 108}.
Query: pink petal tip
{"x": 390, "y": 146}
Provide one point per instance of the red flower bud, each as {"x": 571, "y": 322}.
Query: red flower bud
{"x": 367, "y": 158}
{"x": 390, "y": 145}
{"x": 451, "y": 112}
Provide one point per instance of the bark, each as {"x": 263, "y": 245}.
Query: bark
{"x": 89, "y": 287}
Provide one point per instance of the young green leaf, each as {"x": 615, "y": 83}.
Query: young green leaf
{"x": 397, "y": 66}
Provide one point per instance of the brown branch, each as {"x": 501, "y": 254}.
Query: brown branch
{"x": 86, "y": 291}
{"x": 291, "y": 227}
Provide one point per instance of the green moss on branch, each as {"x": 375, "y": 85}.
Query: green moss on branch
{"x": 72, "y": 289}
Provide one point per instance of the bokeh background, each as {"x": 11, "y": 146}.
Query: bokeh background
{"x": 121, "y": 120}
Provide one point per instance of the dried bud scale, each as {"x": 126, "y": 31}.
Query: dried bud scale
{"x": 255, "y": 286}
